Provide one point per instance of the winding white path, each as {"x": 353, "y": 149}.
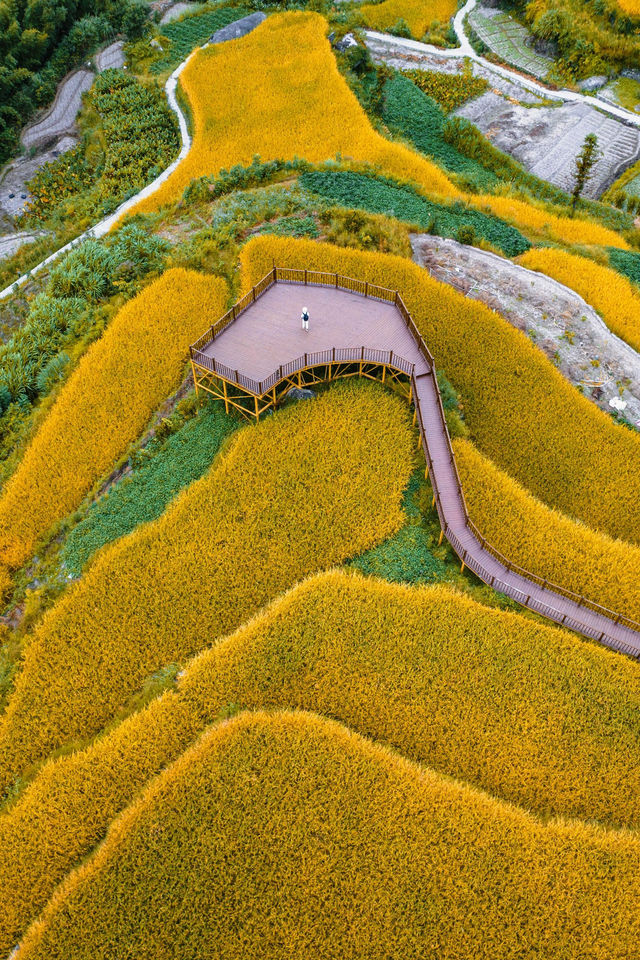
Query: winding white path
{"x": 465, "y": 49}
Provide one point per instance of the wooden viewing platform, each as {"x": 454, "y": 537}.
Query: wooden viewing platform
{"x": 258, "y": 351}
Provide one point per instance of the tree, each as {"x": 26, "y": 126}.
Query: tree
{"x": 584, "y": 166}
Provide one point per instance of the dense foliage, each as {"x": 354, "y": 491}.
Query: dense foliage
{"x": 615, "y": 298}
{"x": 140, "y": 356}
{"x": 139, "y": 134}
{"x": 40, "y": 42}
{"x": 336, "y": 844}
{"x": 293, "y": 103}
{"x": 381, "y": 195}
{"x": 417, "y": 117}
{"x": 223, "y": 536}
{"x": 521, "y": 412}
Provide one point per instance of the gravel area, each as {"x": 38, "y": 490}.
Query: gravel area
{"x": 559, "y": 322}
{"x": 60, "y": 118}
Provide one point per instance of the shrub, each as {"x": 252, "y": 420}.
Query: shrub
{"x": 614, "y": 297}
{"x": 521, "y": 412}
{"x": 105, "y": 404}
{"x": 293, "y": 103}
{"x": 223, "y": 536}
{"x": 335, "y": 844}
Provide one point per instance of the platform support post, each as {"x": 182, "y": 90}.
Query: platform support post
{"x": 257, "y": 411}
{"x": 226, "y": 399}
{"x": 440, "y": 537}
{"x": 195, "y": 379}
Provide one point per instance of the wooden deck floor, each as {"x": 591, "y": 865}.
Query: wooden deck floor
{"x": 269, "y": 334}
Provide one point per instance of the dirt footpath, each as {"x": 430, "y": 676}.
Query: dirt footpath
{"x": 557, "y": 320}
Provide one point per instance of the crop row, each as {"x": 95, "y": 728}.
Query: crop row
{"x": 292, "y": 103}
{"x": 290, "y": 830}
{"x": 269, "y": 512}
{"x": 105, "y": 404}
{"x": 521, "y": 411}
{"x": 394, "y": 663}
{"x": 545, "y": 541}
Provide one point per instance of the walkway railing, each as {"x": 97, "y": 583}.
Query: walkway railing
{"x": 365, "y": 354}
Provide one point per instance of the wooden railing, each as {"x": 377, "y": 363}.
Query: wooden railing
{"x": 365, "y": 354}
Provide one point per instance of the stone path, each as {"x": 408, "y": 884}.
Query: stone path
{"x": 175, "y": 11}
{"x": 111, "y": 58}
{"x": 563, "y": 325}
{"x": 61, "y": 116}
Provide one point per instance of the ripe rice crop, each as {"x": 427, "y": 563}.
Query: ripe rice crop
{"x": 417, "y": 14}
{"x": 545, "y": 541}
{"x": 393, "y": 663}
{"x": 269, "y": 512}
{"x": 549, "y": 225}
{"x": 105, "y": 404}
{"x": 616, "y": 299}
{"x": 291, "y": 830}
{"x": 293, "y": 102}
{"x": 521, "y": 411}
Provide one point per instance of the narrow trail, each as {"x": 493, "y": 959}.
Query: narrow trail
{"x": 262, "y": 331}
{"x": 464, "y": 49}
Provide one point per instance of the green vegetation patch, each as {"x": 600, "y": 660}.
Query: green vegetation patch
{"x": 381, "y": 195}
{"x": 192, "y": 32}
{"x": 418, "y": 118}
{"x": 161, "y": 470}
{"x": 626, "y": 262}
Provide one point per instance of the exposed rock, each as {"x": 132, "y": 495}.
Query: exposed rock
{"x": 593, "y": 83}
{"x": 240, "y": 28}
{"x": 300, "y": 393}
{"x": 347, "y": 41}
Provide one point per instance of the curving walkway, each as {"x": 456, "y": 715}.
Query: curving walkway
{"x": 259, "y": 347}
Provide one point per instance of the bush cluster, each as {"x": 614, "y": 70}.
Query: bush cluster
{"x": 40, "y": 42}
{"x": 520, "y": 411}
{"x": 105, "y": 403}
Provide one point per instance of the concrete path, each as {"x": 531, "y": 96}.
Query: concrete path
{"x": 60, "y": 118}
{"x": 111, "y": 58}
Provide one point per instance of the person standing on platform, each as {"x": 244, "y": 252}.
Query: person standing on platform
{"x": 305, "y": 319}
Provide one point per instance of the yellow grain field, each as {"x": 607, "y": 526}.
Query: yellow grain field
{"x": 289, "y": 100}
{"x": 289, "y": 830}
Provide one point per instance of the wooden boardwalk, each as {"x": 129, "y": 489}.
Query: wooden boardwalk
{"x": 260, "y": 345}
